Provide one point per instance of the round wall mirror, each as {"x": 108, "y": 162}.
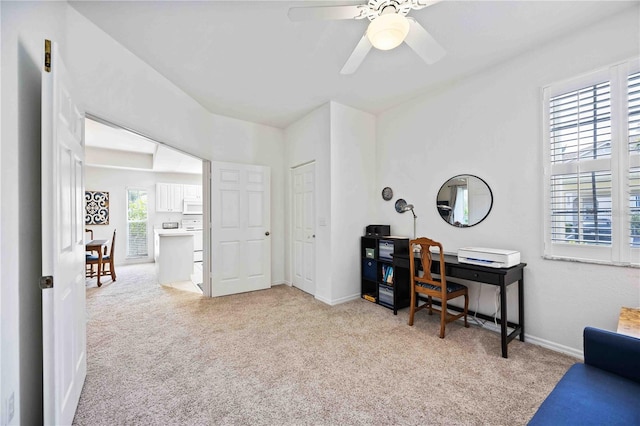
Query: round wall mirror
{"x": 464, "y": 201}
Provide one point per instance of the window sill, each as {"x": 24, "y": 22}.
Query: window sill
{"x": 591, "y": 261}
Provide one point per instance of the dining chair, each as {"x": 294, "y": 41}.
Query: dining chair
{"x": 107, "y": 260}
{"x": 430, "y": 287}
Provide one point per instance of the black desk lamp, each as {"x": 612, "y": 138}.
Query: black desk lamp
{"x": 401, "y": 207}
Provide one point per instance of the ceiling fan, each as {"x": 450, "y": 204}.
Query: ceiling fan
{"x": 389, "y": 26}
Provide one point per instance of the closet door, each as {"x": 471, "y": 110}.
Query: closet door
{"x": 304, "y": 235}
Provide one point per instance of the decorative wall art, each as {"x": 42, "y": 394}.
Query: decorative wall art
{"x": 96, "y": 208}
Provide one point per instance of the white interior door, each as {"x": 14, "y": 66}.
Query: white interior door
{"x": 304, "y": 234}
{"x": 63, "y": 305}
{"x": 240, "y": 228}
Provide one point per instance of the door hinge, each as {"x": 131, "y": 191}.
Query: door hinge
{"x": 47, "y": 55}
{"x": 46, "y": 282}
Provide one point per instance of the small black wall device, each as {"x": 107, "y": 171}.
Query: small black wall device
{"x": 378, "y": 230}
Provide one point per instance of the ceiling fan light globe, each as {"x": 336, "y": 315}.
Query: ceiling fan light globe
{"x": 388, "y": 31}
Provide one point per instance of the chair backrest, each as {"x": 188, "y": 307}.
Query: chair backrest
{"x": 426, "y": 257}
{"x": 90, "y": 232}
{"x": 113, "y": 245}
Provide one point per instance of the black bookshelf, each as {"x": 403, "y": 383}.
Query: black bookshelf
{"x": 382, "y": 282}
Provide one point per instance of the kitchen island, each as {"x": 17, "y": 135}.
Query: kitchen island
{"x": 173, "y": 255}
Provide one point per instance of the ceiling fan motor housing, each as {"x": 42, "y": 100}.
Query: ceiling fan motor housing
{"x": 376, "y": 8}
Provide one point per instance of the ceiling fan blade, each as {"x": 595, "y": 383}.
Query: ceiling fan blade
{"x": 326, "y": 12}
{"x": 423, "y": 43}
{"x": 357, "y": 56}
{"x": 420, "y": 4}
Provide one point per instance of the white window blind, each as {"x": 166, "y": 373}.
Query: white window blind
{"x": 580, "y": 135}
{"x": 633, "y": 92}
{"x": 580, "y": 124}
{"x": 581, "y": 208}
{"x": 591, "y": 177}
{"x": 633, "y": 89}
{"x": 137, "y": 223}
{"x": 634, "y": 207}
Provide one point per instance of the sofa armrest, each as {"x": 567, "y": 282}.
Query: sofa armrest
{"x": 613, "y": 352}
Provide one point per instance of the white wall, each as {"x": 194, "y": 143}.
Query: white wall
{"x": 116, "y": 182}
{"x": 24, "y": 28}
{"x": 489, "y": 125}
{"x": 341, "y": 141}
{"x": 353, "y": 190}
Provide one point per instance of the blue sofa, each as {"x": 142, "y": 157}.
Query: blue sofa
{"x": 605, "y": 390}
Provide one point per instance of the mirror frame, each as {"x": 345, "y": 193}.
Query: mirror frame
{"x": 460, "y": 176}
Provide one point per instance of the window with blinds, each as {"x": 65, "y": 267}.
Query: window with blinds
{"x": 633, "y": 93}
{"x": 592, "y": 152}
{"x": 634, "y": 207}
{"x": 580, "y": 135}
{"x": 581, "y": 208}
{"x": 137, "y": 223}
{"x": 633, "y": 89}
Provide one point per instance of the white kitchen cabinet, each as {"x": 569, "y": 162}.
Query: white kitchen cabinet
{"x": 169, "y": 197}
{"x": 193, "y": 192}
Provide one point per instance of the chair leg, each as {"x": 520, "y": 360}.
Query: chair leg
{"x": 412, "y": 309}
{"x": 112, "y": 270}
{"x": 443, "y": 318}
{"x": 430, "y": 302}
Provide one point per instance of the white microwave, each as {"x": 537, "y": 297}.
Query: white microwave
{"x": 192, "y": 206}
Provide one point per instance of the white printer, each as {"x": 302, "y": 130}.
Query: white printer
{"x": 494, "y": 258}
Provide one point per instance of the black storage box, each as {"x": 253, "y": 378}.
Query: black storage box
{"x": 369, "y": 270}
{"x": 378, "y": 230}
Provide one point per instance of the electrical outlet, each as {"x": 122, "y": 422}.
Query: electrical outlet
{"x": 10, "y": 408}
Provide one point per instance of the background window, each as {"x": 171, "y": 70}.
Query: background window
{"x": 137, "y": 223}
{"x": 592, "y": 152}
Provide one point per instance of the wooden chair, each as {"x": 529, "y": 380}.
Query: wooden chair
{"x": 430, "y": 287}
{"x": 107, "y": 261}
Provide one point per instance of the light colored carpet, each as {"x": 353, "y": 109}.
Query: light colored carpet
{"x": 161, "y": 356}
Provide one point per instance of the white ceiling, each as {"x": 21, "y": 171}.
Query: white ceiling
{"x": 99, "y": 135}
{"x": 247, "y": 60}
{"x": 114, "y": 147}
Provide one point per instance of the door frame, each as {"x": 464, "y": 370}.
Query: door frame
{"x": 292, "y": 241}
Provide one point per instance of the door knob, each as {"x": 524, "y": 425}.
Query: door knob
{"x": 266, "y": 233}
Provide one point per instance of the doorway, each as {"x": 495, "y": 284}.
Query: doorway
{"x": 304, "y": 235}
{"x": 148, "y": 184}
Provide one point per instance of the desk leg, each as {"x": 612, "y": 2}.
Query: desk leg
{"x": 521, "y": 307}
{"x": 503, "y": 318}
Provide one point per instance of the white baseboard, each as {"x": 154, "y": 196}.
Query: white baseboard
{"x": 338, "y": 301}
{"x": 280, "y": 283}
{"x": 554, "y": 346}
{"x": 489, "y": 325}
